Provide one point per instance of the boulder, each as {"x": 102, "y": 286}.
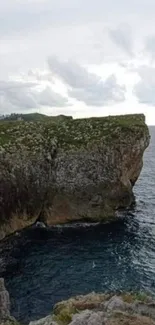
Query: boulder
{"x": 88, "y": 317}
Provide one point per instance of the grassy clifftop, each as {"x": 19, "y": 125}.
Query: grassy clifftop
{"x": 69, "y": 133}
{"x": 33, "y": 117}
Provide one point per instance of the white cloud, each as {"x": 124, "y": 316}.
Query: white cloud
{"x": 76, "y": 31}
{"x": 145, "y": 88}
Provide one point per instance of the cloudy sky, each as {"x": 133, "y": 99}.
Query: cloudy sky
{"x": 77, "y": 57}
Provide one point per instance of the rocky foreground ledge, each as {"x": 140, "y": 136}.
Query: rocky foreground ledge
{"x": 92, "y": 309}
{"x": 57, "y": 172}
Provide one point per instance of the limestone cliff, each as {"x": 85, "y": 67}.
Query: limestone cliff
{"x": 91, "y": 309}
{"x": 70, "y": 170}
{"x": 103, "y": 309}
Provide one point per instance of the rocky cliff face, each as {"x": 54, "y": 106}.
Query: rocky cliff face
{"x": 103, "y": 309}
{"x": 70, "y": 170}
{"x": 91, "y": 309}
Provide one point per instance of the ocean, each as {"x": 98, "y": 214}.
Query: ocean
{"x": 45, "y": 266}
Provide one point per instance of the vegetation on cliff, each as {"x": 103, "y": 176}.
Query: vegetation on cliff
{"x": 121, "y": 308}
{"x": 32, "y": 117}
{"x": 70, "y": 134}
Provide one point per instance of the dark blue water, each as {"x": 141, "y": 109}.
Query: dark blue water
{"x": 46, "y": 266}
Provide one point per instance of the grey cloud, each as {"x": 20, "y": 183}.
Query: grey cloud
{"x": 86, "y": 86}
{"x": 15, "y": 96}
{"x": 10, "y": 85}
{"x": 103, "y": 93}
{"x": 30, "y": 30}
{"x": 72, "y": 73}
{"x": 18, "y": 94}
{"x": 150, "y": 45}
{"x": 144, "y": 90}
{"x": 21, "y": 98}
{"x": 122, "y": 37}
{"x": 50, "y": 98}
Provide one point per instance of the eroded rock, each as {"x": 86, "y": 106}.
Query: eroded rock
{"x": 4, "y": 300}
{"x": 115, "y": 303}
{"x": 88, "y": 317}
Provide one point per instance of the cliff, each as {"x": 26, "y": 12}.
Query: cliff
{"x": 68, "y": 170}
{"x": 91, "y": 309}
{"x": 103, "y": 309}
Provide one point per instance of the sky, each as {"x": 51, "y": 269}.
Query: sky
{"x": 79, "y": 58}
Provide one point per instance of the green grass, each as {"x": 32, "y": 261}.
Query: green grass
{"x": 133, "y": 296}
{"x": 64, "y": 317}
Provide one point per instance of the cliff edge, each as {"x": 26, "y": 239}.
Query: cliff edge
{"x": 103, "y": 309}
{"x": 91, "y": 309}
{"x": 81, "y": 169}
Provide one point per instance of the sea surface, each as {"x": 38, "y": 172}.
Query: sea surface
{"x": 45, "y": 266}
